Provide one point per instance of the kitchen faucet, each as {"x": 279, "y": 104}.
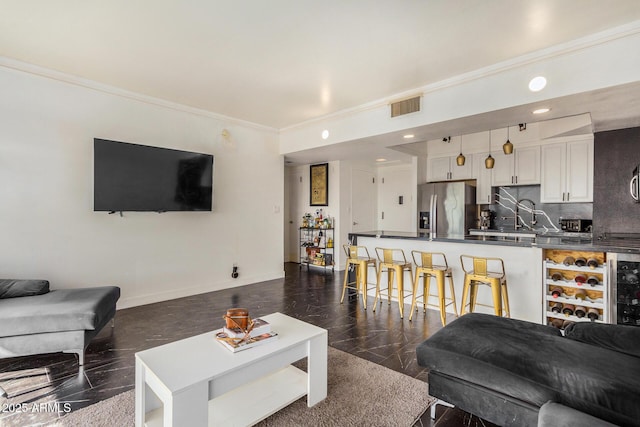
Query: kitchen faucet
{"x": 517, "y": 215}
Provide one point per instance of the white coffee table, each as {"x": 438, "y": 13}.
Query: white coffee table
{"x": 198, "y": 382}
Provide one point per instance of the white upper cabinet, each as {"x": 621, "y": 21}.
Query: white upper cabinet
{"x": 446, "y": 169}
{"x": 520, "y": 168}
{"x": 483, "y": 179}
{"x": 567, "y": 172}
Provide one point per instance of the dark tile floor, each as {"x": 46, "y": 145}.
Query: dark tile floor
{"x": 54, "y": 384}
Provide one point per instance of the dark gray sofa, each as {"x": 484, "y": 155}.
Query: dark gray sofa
{"x": 505, "y": 370}
{"x": 34, "y": 320}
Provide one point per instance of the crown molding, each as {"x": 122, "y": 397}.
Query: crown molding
{"x": 14, "y": 64}
{"x": 591, "y": 40}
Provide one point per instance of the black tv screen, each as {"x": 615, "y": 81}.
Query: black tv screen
{"x": 132, "y": 177}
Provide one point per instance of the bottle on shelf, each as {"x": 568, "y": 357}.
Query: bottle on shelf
{"x": 568, "y": 309}
{"x": 580, "y": 279}
{"x": 593, "y": 280}
{"x": 581, "y": 261}
{"x": 569, "y": 261}
{"x": 556, "y": 292}
{"x": 580, "y": 311}
{"x": 580, "y": 294}
{"x": 557, "y": 276}
{"x": 592, "y": 263}
{"x": 593, "y": 314}
{"x": 556, "y": 307}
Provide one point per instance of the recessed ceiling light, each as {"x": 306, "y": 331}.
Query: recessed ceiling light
{"x": 381, "y": 160}
{"x": 537, "y": 84}
{"x": 325, "y": 134}
{"x": 541, "y": 110}
{"x": 408, "y": 136}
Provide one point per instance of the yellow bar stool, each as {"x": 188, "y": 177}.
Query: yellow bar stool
{"x": 486, "y": 271}
{"x": 428, "y": 265}
{"x": 395, "y": 263}
{"x": 359, "y": 258}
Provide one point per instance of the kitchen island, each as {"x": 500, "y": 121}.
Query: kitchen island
{"x": 523, "y": 257}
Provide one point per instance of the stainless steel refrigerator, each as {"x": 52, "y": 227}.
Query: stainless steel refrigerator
{"x": 447, "y": 208}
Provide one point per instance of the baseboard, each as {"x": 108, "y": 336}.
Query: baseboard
{"x": 194, "y": 290}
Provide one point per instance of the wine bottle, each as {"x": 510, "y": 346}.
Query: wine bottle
{"x": 580, "y": 294}
{"x": 593, "y": 314}
{"x": 593, "y": 280}
{"x": 557, "y": 276}
{"x": 569, "y": 260}
{"x": 556, "y": 292}
{"x": 568, "y": 309}
{"x": 580, "y": 311}
{"x": 580, "y": 262}
{"x": 580, "y": 279}
{"x": 557, "y": 307}
{"x": 592, "y": 263}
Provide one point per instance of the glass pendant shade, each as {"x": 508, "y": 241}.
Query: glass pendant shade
{"x": 507, "y": 147}
{"x": 460, "y": 159}
{"x": 489, "y": 162}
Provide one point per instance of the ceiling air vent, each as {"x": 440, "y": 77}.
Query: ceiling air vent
{"x": 405, "y": 106}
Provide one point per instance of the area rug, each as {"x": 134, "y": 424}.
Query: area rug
{"x": 360, "y": 393}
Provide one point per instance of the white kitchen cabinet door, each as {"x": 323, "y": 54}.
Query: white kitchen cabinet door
{"x": 580, "y": 171}
{"x": 554, "y": 172}
{"x": 438, "y": 169}
{"x": 446, "y": 169}
{"x": 527, "y": 166}
{"x": 461, "y": 172}
{"x": 520, "y": 168}
{"x": 483, "y": 179}
{"x": 503, "y": 169}
{"x": 567, "y": 172}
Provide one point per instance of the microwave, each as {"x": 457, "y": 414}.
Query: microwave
{"x": 576, "y": 225}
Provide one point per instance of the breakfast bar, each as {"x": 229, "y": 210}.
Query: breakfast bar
{"x": 527, "y": 265}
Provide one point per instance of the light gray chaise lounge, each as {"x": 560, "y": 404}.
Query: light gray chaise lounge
{"x": 34, "y": 320}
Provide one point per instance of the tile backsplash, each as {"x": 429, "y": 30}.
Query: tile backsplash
{"x": 548, "y": 219}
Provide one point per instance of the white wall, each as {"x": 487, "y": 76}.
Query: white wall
{"x": 47, "y": 223}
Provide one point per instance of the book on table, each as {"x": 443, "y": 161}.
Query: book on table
{"x": 260, "y": 327}
{"x": 238, "y": 344}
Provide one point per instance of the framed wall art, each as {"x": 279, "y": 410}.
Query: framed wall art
{"x": 319, "y": 185}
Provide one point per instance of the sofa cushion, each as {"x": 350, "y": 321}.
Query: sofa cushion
{"x": 622, "y": 338}
{"x": 556, "y": 415}
{"x": 58, "y": 310}
{"x": 535, "y": 364}
{"x": 12, "y": 288}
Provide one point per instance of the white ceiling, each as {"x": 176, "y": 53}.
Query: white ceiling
{"x": 282, "y": 62}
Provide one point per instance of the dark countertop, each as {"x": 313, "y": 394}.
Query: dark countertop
{"x": 566, "y": 242}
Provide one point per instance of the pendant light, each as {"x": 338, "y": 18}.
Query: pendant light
{"x": 507, "y": 147}
{"x": 460, "y": 159}
{"x": 489, "y": 161}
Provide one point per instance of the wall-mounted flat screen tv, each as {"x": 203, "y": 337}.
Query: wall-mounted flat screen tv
{"x": 133, "y": 177}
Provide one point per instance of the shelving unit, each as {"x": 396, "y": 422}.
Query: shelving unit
{"x": 596, "y": 297}
{"x": 317, "y": 247}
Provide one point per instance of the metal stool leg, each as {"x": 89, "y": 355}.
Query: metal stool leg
{"x": 453, "y": 294}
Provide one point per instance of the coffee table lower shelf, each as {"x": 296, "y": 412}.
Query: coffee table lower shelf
{"x": 251, "y": 402}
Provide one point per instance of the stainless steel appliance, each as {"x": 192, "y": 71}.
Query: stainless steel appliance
{"x": 486, "y": 219}
{"x": 634, "y": 185}
{"x": 576, "y": 225}
{"x": 447, "y": 208}
{"x": 624, "y": 277}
